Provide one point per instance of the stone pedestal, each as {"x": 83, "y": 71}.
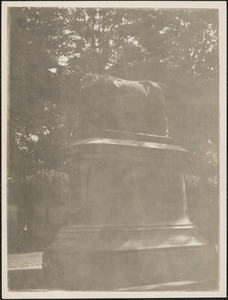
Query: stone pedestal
{"x": 128, "y": 222}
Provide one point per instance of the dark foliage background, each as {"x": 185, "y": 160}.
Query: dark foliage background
{"x": 49, "y": 50}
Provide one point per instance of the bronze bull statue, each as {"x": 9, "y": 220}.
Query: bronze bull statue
{"x": 136, "y": 106}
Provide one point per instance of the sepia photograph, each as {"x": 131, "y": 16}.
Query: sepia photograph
{"x": 113, "y": 149}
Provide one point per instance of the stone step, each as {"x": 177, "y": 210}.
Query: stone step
{"x": 25, "y": 275}
{"x": 21, "y": 261}
{"x": 187, "y": 285}
{"x": 32, "y": 281}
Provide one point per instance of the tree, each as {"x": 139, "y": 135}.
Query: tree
{"x": 50, "y": 50}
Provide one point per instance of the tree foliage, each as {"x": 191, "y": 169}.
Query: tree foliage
{"x": 51, "y": 47}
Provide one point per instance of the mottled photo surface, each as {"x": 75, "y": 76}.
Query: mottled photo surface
{"x": 113, "y": 148}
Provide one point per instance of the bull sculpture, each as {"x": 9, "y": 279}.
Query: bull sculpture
{"x": 136, "y": 106}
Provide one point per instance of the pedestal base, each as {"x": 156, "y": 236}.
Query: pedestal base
{"x": 128, "y": 219}
{"x": 112, "y": 258}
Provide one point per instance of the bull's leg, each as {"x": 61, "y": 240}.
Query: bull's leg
{"x": 166, "y": 127}
{"x": 165, "y": 122}
{"x": 163, "y": 115}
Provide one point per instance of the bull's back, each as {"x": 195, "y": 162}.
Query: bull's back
{"x": 127, "y": 86}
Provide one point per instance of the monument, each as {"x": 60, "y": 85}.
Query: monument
{"x": 128, "y": 223}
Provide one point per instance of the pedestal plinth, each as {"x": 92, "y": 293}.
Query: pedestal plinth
{"x": 128, "y": 222}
